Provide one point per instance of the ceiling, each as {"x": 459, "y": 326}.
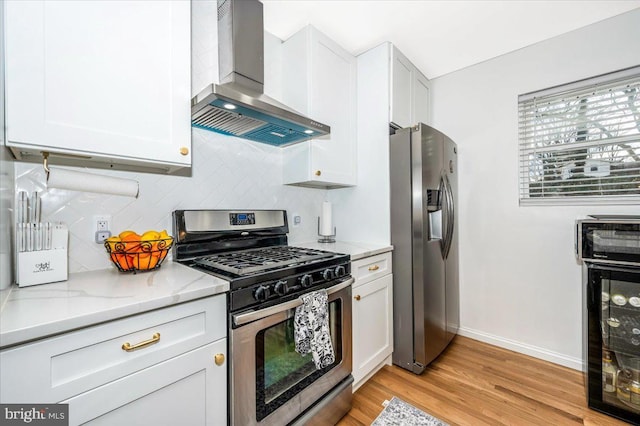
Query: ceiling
{"x": 439, "y": 36}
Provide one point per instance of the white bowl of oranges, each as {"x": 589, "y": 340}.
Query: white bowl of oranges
{"x": 131, "y": 251}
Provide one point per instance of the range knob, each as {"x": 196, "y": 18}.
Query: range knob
{"x": 328, "y": 274}
{"x": 340, "y": 271}
{"x": 281, "y": 288}
{"x": 261, "y": 293}
{"x": 306, "y": 281}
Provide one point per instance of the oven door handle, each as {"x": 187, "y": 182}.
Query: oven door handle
{"x": 248, "y": 317}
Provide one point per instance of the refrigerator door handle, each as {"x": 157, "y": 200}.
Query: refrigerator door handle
{"x": 450, "y": 215}
{"x": 445, "y": 212}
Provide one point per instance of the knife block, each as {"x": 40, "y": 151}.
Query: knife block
{"x": 44, "y": 266}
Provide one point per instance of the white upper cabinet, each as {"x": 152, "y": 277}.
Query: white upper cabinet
{"x": 319, "y": 80}
{"x": 421, "y": 107}
{"x": 401, "y": 86}
{"x": 409, "y": 92}
{"x": 106, "y": 81}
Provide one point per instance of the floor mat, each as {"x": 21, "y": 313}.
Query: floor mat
{"x": 398, "y": 412}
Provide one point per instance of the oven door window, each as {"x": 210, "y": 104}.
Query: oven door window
{"x": 281, "y": 372}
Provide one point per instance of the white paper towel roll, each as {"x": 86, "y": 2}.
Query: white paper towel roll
{"x": 326, "y": 222}
{"x": 87, "y": 182}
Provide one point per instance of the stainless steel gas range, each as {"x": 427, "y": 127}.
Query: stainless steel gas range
{"x": 271, "y": 383}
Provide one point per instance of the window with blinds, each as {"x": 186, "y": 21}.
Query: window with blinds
{"x": 580, "y": 142}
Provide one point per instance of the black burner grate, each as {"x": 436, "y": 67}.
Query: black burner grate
{"x": 256, "y": 260}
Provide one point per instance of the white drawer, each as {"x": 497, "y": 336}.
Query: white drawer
{"x": 57, "y": 368}
{"x": 370, "y": 268}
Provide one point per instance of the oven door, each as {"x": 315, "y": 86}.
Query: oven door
{"x": 271, "y": 384}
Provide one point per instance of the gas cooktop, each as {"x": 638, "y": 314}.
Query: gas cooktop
{"x": 251, "y": 261}
{"x": 249, "y": 249}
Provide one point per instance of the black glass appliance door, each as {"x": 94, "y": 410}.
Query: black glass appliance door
{"x": 281, "y": 372}
{"x": 613, "y": 242}
{"x": 613, "y": 347}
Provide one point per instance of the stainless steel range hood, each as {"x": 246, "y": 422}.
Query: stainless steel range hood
{"x": 237, "y": 106}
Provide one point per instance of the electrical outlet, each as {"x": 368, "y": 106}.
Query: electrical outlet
{"x": 297, "y": 219}
{"x": 101, "y": 228}
{"x": 101, "y": 236}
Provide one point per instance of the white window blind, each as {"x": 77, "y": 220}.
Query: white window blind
{"x": 580, "y": 143}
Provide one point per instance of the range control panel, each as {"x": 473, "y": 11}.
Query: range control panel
{"x": 242, "y": 219}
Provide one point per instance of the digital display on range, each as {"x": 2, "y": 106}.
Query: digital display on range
{"x": 242, "y": 219}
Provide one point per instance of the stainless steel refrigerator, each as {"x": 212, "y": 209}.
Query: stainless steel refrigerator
{"x": 424, "y": 233}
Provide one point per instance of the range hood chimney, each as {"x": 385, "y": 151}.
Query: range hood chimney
{"x": 237, "y": 106}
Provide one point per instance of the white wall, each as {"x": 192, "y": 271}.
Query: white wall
{"x": 362, "y": 213}
{"x": 6, "y": 184}
{"x": 227, "y": 173}
{"x": 519, "y": 282}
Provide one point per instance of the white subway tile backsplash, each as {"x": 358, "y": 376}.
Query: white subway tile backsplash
{"x": 227, "y": 173}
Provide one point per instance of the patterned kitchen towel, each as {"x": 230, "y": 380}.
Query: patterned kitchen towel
{"x": 400, "y": 413}
{"x": 311, "y": 328}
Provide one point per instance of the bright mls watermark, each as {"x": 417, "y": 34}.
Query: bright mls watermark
{"x": 35, "y": 414}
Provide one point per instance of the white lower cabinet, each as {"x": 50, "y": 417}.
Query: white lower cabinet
{"x": 189, "y": 389}
{"x": 372, "y": 316}
{"x": 163, "y": 367}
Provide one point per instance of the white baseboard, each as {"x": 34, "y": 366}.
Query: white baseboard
{"x": 523, "y": 348}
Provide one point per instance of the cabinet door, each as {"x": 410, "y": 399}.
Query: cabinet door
{"x": 401, "y": 87}
{"x": 333, "y": 101}
{"x": 71, "y": 363}
{"x": 108, "y": 80}
{"x": 421, "y": 106}
{"x": 190, "y": 389}
{"x": 320, "y": 81}
{"x": 372, "y": 325}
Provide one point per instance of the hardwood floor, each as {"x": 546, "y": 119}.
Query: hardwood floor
{"x": 473, "y": 383}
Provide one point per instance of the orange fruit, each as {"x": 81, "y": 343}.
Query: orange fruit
{"x": 131, "y": 242}
{"x": 150, "y": 235}
{"x": 125, "y": 233}
{"x": 149, "y": 242}
{"x": 153, "y": 262}
{"x": 112, "y": 242}
{"x": 122, "y": 260}
{"x": 142, "y": 264}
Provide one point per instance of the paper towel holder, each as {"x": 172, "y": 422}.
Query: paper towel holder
{"x": 45, "y": 162}
{"x": 326, "y": 238}
{"x": 104, "y": 187}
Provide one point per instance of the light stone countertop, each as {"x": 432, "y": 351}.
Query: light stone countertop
{"x": 89, "y": 298}
{"x": 355, "y": 249}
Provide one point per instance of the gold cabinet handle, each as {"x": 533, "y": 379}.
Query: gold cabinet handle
{"x": 318, "y": 172}
{"x": 357, "y": 297}
{"x": 129, "y": 347}
{"x": 374, "y": 268}
{"x": 184, "y": 150}
{"x": 219, "y": 359}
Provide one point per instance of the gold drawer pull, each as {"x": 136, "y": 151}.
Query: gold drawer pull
{"x": 318, "y": 173}
{"x": 129, "y": 347}
{"x": 184, "y": 150}
{"x": 357, "y": 297}
{"x": 219, "y": 359}
{"x": 374, "y": 268}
